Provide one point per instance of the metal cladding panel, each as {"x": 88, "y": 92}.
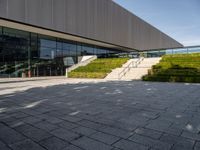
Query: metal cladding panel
{"x": 73, "y": 18}
{"x": 46, "y": 13}
{"x": 108, "y": 20}
{"x": 33, "y": 12}
{"x": 100, "y": 20}
{"x": 100, "y": 25}
{"x": 3, "y": 8}
{"x": 18, "y": 10}
{"x": 58, "y": 17}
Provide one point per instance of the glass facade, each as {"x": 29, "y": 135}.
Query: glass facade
{"x": 187, "y": 50}
{"x": 160, "y": 53}
{"x": 29, "y": 54}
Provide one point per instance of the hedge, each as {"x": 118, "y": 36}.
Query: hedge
{"x": 176, "y": 68}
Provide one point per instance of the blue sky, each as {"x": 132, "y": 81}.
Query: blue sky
{"x": 179, "y": 19}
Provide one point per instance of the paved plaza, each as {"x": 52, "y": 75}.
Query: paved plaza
{"x": 67, "y": 114}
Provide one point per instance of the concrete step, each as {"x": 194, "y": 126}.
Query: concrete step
{"x": 134, "y": 73}
{"x": 114, "y": 75}
{"x": 141, "y": 70}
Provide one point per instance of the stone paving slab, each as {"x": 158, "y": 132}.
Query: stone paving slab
{"x": 84, "y": 131}
{"x": 3, "y": 146}
{"x": 90, "y": 144}
{"x": 72, "y": 147}
{"x": 149, "y": 133}
{"x": 26, "y": 144}
{"x": 54, "y": 143}
{"x": 46, "y": 126}
{"x": 149, "y": 142}
{"x": 197, "y": 146}
{"x": 9, "y": 135}
{"x": 33, "y": 133}
{"x": 56, "y": 113}
{"x": 129, "y": 145}
{"x": 105, "y": 138}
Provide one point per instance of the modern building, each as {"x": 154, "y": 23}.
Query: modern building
{"x": 44, "y": 37}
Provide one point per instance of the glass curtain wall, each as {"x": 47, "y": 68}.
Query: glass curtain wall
{"x": 29, "y": 54}
{"x": 14, "y": 45}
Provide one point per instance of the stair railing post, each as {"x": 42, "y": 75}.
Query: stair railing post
{"x": 66, "y": 73}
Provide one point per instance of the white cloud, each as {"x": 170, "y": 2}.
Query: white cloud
{"x": 191, "y": 42}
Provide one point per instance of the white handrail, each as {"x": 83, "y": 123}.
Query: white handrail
{"x": 133, "y": 64}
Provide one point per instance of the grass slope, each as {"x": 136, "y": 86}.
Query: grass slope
{"x": 176, "y": 68}
{"x": 98, "y": 68}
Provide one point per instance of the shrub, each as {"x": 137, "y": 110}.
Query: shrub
{"x": 176, "y": 68}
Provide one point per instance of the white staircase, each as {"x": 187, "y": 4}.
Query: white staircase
{"x": 141, "y": 70}
{"x": 114, "y": 75}
{"x": 134, "y": 69}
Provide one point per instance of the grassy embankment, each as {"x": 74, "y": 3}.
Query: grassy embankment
{"x": 98, "y": 68}
{"x": 176, "y": 68}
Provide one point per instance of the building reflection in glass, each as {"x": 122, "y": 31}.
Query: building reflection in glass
{"x": 31, "y": 54}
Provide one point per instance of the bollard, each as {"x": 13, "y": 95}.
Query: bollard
{"x": 66, "y": 73}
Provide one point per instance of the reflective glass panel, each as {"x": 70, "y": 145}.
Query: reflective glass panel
{"x": 47, "y": 53}
{"x": 194, "y": 50}
{"x": 47, "y": 43}
{"x": 87, "y": 50}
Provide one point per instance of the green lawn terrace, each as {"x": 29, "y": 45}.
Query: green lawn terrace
{"x": 98, "y": 68}
{"x": 176, "y": 68}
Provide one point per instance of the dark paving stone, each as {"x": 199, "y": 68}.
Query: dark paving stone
{"x": 180, "y": 147}
{"x": 190, "y": 135}
{"x": 90, "y": 144}
{"x": 159, "y": 125}
{"x": 50, "y": 119}
{"x": 84, "y": 131}
{"x": 91, "y": 124}
{"x": 7, "y": 119}
{"x": 165, "y": 126}
{"x": 150, "y": 142}
{"x": 54, "y": 143}
{"x": 116, "y": 132}
{"x": 149, "y": 133}
{"x": 70, "y": 118}
{"x": 72, "y": 147}
{"x": 184, "y": 144}
{"x": 46, "y": 126}
{"x": 31, "y": 112}
{"x": 176, "y": 118}
{"x": 115, "y": 149}
{"x": 41, "y": 109}
{"x": 10, "y": 136}
{"x": 105, "y": 121}
{"x": 114, "y": 109}
{"x": 197, "y": 146}
{"x": 136, "y": 119}
{"x": 15, "y": 124}
{"x": 67, "y": 125}
{"x": 65, "y": 134}
{"x": 20, "y": 115}
{"x": 129, "y": 145}
{"x": 31, "y": 120}
{"x": 177, "y": 141}
{"x": 26, "y": 145}
{"x": 33, "y": 133}
{"x": 124, "y": 126}
{"x": 174, "y": 130}
{"x": 3, "y": 146}
{"x": 105, "y": 138}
